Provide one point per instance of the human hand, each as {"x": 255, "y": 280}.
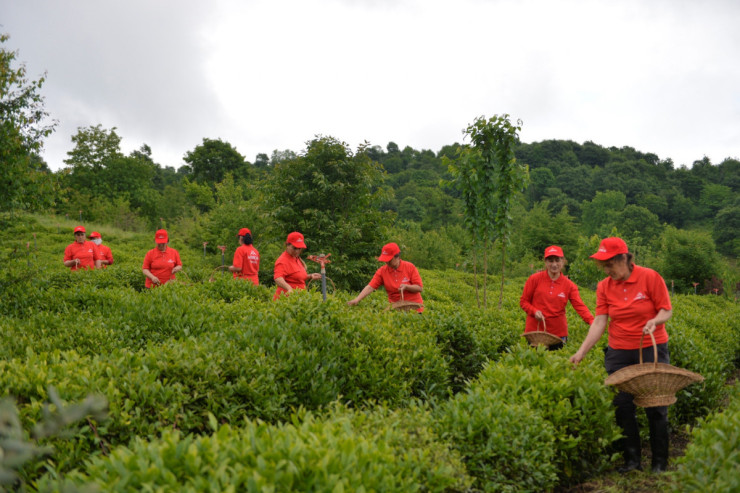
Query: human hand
{"x": 649, "y": 327}
{"x": 353, "y": 302}
{"x": 539, "y": 316}
{"x": 576, "y": 358}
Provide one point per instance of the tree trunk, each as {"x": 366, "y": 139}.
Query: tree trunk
{"x": 485, "y": 273}
{"x": 503, "y": 271}
{"x": 475, "y": 276}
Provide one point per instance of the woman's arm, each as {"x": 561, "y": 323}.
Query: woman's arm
{"x": 365, "y": 291}
{"x": 280, "y": 281}
{"x": 594, "y": 334}
{"x": 662, "y": 317}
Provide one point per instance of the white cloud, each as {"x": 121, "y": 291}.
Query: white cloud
{"x": 659, "y": 76}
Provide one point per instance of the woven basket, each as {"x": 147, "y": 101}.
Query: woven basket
{"x": 329, "y": 282}
{"x": 652, "y": 384}
{"x": 404, "y": 305}
{"x": 541, "y": 337}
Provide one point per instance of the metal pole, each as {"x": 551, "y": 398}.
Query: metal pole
{"x": 323, "y": 281}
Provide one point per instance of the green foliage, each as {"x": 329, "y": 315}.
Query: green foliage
{"x": 213, "y": 159}
{"x": 339, "y": 453}
{"x": 507, "y": 447}
{"x": 687, "y": 257}
{"x": 328, "y": 194}
{"x": 25, "y": 183}
{"x": 726, "y": 231}
{"x": 16, "y": 452}
{"x": 712, "y": 458}
{"x": 575, "y": 403}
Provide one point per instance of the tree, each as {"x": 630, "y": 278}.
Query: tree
{"x": 488, "y": 175}
{"x": 26, "y": 182}
{"x": 330, "y": 194}
{"x": 94, "y": 148}
{"x": 602, "y": 213}
{"x": 211, "y": 160}
{"x": 688, "y": 257}
{"x": 726, "y": 231}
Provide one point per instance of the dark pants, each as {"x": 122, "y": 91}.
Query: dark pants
{"x": 615, "y": 359}
{"x": 559, "y": 345}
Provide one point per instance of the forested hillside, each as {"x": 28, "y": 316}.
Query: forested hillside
{"x": 683, "y": 221}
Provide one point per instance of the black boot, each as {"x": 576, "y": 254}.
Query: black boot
{"x": 630, "y": 443}
{"x": 659, "y": 442}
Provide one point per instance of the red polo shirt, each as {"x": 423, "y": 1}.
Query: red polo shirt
{"x": 105, "y": 254}
{"x": 630, "y": 304}
{"x": 161, "y": 264}
{"x": 292, "y": 270}
{"x": 247, "y": 258}
{"x": 86, "y": 252}
{"x": 391, "y": 279}
{"x": 551, "y": 297}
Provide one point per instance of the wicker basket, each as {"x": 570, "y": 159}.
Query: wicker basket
{"x": 317, "y": 286}
{"x": 404, "y": 305}
{"x": 652, "y": 384}
{"x": 541, "y": 337}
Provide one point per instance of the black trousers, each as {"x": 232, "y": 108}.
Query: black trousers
{"x": 616, "y": 359}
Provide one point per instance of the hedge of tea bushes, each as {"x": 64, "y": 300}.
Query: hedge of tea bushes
{"x": 379, "y": 450}
{"x": 574, "y": 402}
{"x": 712, "y": 459}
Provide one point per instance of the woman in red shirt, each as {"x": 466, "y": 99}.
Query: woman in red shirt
{"x": 81, "y": 254}
{"x": 161, "y": 263}
{"x": 106, "y": 256}
{"x": 634, "y": 301}
{"x": 290, "y": 271}
{"x": 246, "y": 264}
{"x": 546, "y": 294}
{"x": 396, "y": 276}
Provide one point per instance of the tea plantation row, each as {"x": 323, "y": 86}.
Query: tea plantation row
{"x": 213, "y": 387}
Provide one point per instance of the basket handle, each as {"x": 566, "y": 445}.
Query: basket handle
{"x": 655, "y": 349}
{"x": 544, "y": 325}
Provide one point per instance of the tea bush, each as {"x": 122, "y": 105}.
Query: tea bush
{"x": 574, "y": 401}
{"x": 712, "y": 458}
{"x": 382, "y": 451}
{"x": 506, "y": 446}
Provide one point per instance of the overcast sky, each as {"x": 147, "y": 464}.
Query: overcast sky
{"x": 662, "y": 76}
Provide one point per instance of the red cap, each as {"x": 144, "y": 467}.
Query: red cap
{"x": 554, "y": 251}
{"x": 609, "y": 247}
{"x": 389, "y": 251}
{"x": 296, "y": 239}
{"x": 80, "y": 229}
{"x": 161, "y": 236}
{"x": 244, "y": 232}
{"x": 95, "y": 234}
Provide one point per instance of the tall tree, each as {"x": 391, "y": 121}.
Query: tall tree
{"x": 488, "y": 178}
{"x": 94, "y": 148}
{"x": 330, "y": 194}
{"x": 211, "y": 160}
{"x": 25, "y": 182}
{"x": 502, "y": 177}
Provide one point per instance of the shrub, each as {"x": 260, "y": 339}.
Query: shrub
{"x": 712, "y": 458}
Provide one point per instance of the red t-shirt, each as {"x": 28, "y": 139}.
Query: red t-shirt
{"x": 551, "y": 297}
{"x": 247, "y": 258}
{"x": 292, "y": 270}
{"x": 161, "y": 264}
{"x": 630, "y": 304}
{"x": 105, "y": 254}
{"x": 391, "y": 279}
{"x": 86, "y": 252}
